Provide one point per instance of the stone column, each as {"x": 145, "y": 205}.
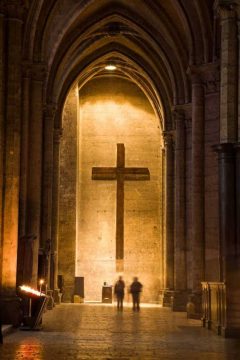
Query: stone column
{"x": 12, "y": 152}
{"x": 49, "y": 115}
{"x": 228, "y": 168}
{"x": 2, "y": 116}
{"x": 229, "y": 246}
{"x": 68, "y": 190}
{"x": 34, "y": 194}
{"x": 11, "y": 160}
{"x": 226, "y": 158}
{"x": 26, "y": 80}
{"x": 238, "y": 73}
{"x": 197, "y": 182}
{"x": 229, "y": 72}
{"x": 237, "y": 181}
{"x": 238, "y": 145}
{"x": 23, "y": 173}
{"x": 180, "y": 265}
{"x": 55, "y": 213}
{"x": 169, "y": 218}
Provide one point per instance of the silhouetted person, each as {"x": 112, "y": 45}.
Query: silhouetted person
{"x": 119, "y": 292}
{"x": 135, "y": 290}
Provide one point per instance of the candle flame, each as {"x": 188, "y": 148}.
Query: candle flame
{"x": 28, "y": 289}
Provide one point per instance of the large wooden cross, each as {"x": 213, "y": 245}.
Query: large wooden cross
{"x": 121, "y": 174}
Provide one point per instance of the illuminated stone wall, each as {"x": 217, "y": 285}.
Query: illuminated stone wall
{"x": 67, "y": 195}
{"x": 114, "y": 111}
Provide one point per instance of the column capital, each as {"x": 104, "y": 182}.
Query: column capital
{"x": 178, "y": 115}
{"x": 207, "y": 75}
{"x": 50, "y": 110}
{"x": 185, "y": 109}
{"x": 57, "y": 134}
{"x": 168, "y": 138}
{"x": 225, "y": 9}
{"x": 224, "y": 149}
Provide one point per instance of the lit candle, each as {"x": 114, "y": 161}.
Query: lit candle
{"x": 41, "y": 282}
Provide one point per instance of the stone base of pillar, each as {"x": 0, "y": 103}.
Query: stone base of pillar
{"x": 57, "y": 296}
{"x": 165, "y": 297}
{"x": 179, "y": 300}
{"x": 194, "y": 306}
{"x": 11, "y": 311}
{"x": 50, "y": 304}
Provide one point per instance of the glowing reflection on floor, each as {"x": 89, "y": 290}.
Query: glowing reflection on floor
{"x": 26, "y": 351}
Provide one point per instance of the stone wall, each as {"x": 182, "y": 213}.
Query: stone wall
{"x": 116, "y": 111}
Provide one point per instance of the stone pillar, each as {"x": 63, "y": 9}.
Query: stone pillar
{"x": 46, "y": 236}
{"x": 197, "y": 182}
{"x": 180, "y": 265}
{"x": 229, "y": 247}
{"x": 237, "y": 182}
{"x": 34, "y": 194}
{"x": 169, "y": 218}
{"x": 238, "y": 73}
{"x": 12, "y": 153}
{"x": 68, "y": 195}
{"x": 229, "y": 168}
{"x": 229, "y": 72}
{"x": 55, "y": 214}
{"x": 2, "y": 116}
{"x": 238, "y": 145}
{"x": 188, "y": 194}
{"x": 23, "y": 173}
{"x": 11, "y": 160}
{"x": 26, "y": 80}
{"x": 226, "y": 158}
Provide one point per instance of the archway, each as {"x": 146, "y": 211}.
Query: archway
{"x": 107, "y": 113}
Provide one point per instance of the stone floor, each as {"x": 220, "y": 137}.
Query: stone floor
{"x": 77, "y": 331}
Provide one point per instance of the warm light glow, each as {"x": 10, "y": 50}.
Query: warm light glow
{"x": 41, "y": 281}
{"x": 28, "y": 289}
{"x": 110, "y": 67}
{"x": 26, "y": 351}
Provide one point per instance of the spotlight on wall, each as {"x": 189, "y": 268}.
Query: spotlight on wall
{"x": 110, "y": 67}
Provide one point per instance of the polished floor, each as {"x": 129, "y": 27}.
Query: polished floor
{"x": 81, "y": 331}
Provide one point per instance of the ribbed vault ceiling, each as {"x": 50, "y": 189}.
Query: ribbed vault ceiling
{"x": 152, "y": 42}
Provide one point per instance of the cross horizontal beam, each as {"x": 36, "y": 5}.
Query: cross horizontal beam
{"x": 112, "y": 173}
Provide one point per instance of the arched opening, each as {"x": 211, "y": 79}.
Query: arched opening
{"x": 111, "y": 224}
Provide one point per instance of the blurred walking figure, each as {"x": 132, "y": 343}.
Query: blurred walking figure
{"x": 119, "y": 292}
{"x": 135, "y": 290}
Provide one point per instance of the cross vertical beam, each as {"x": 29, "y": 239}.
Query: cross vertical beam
{"x": 121, "y": 174}
{"x": 120, "y": 202}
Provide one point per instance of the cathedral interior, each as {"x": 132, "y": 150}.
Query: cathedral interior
{"x": 119, "y": 153}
